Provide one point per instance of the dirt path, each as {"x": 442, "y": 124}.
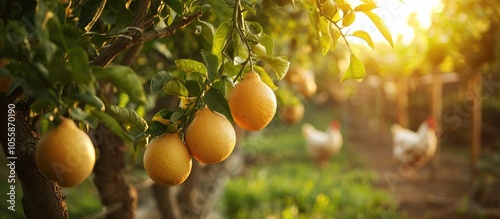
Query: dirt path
{"x": 443, "y": 197}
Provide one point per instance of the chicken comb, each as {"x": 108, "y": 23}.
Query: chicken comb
{"x": 431, "y": 122}
{"x": 335, "y": 124}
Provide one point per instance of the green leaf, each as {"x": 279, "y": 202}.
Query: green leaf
{"x": 221, "y": 9}
{"x": 267, "y": 42}
{"x": 175, "y": 5}
{"x": 240, "y": 51}
{"x": 80, "y": 115}
{"x": 209, "y": 25}
{"x": 74, "y": 38}
{"x": 220, "y": 85}
{"x": 36, "y": 89}
{"x": 365, "y": 7}
{"x": 40, "y": 106}
{"x": 379, "y": 23}
{"x": 164, "y": 114}
{"x": 355, "y": 71}
{"x": 335, "y": 33}
{"x": 324, "y": 36}
{"x": 345, "y": 7}
{"x": 264, "y": 77}
{"x": 128, "y": 116}
{"x": 112, "y": 124}
{"x": 230, "y": 69}
{"x": 314, "y": 17}
{"x": 207, "y": 30}
{"x": 329, "y": 8}
{"x": 176, "y": 115}
{"x": 141, "y": 141}
{"x": 60, "y": 72}
{"x": 79, "y": 63}
{"x": 159, "y": 80}
{"x": 220, "y": 39}
{"x": 89, "y": 99}
{"x": 215, "y": 101}
{"x": 125, "y": 79}
{"x": 279, "y": 64}
{"x": 348, "y": 19}
{"x": 193, "y": 87}
{"x": 156, "y": 129}
{"x": 176, "y": 88}
{"x": 249, "y": 7}
{"x": 365, "y": 36}
{"x": 212, "y": 64}
{"x": 123, "y": 18}
{"x": 53, "y": 26}
{"x": 195, "y": 76}
{"x": 190, "y": 66}
{"x": 32, "y": 80}
{"x": 259, "y": 50}
{"x": 254, "y": 27}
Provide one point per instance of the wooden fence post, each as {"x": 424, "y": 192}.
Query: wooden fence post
{"x": 437, "y": 109}
{"x": 475, "y": 90}
{"x": 402, "y": 102}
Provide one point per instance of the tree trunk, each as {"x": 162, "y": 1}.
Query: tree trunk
{"x": 166, "y": 202}
{"x": 115, "y": 190}
{"x": 42, "y": 198}
{"x": 186, "y": 197}
{"x": 111, "y": 180}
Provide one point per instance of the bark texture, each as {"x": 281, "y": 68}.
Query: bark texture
{"x": 167, "y": 204}
{"x": 110, "y": 177}
{"x": 42, "y": 198}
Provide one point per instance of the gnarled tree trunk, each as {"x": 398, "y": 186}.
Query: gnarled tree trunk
{"x": 110, "y": 177}
{"x": 42, "y": 198}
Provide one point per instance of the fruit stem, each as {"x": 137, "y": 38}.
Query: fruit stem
{"x": 198, "y": 104}
{"x": 238, "y": 25}
{"x": 334, "y": 23}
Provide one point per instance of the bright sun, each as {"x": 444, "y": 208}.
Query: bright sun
{"x": 395, "y": 14}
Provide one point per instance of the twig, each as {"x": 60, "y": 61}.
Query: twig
{"x": 336, "y": 25}
{"x": 170, "y": 30}
{"x": 135, "y": 35}
{"x": 122, "y": 43}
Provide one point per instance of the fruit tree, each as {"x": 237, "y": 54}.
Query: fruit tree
{"x": 72, "y": 70}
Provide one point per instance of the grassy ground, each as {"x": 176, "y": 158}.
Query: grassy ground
{"x": 282, "y": 181}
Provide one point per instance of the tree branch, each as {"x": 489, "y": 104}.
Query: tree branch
{"x": 170, "y": 30}
{"x": 135, "y": 37}
{"x": 122, "y": 43}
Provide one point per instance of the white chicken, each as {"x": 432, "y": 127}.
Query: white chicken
{"x": 322, "y": 145}
{"x": 414, "y": 149}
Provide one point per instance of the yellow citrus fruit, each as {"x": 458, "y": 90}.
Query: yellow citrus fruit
{"x": 65, "y": 154}
{"x": 252, "y": 103}
{"x": 167, "y": 160}
{"x": 292, "y": 114}
{"x": 210, "y": 137}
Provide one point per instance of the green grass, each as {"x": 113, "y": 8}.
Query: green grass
{"x": 284, "y": 183}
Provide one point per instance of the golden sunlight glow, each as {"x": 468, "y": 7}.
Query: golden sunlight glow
{"x": 395, "y": 14}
